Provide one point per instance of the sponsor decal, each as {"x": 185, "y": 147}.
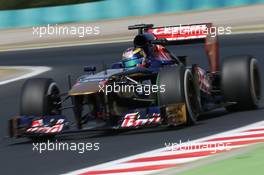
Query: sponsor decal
{"x": 180, "y": 32}
{"x": 38, "y": 127}
{"x": 133, "y": 120}
{"x": 185, "y": 32}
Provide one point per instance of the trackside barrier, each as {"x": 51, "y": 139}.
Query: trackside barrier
{"x": 108, "y": 9}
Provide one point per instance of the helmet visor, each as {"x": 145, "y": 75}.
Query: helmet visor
{"x": 132, "y": 62}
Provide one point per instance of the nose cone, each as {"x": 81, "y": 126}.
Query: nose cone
{"x": 84, "y": 88}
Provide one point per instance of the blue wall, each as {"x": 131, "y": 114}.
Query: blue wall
{"x": 107, "y": 9}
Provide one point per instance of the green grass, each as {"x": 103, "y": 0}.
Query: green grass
{"x": 22, "y": 4}
{"x": 250, "y": 163}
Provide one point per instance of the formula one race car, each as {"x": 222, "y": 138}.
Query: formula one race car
{"x": 150, "y": 88}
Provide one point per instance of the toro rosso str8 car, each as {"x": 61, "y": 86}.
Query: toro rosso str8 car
{"x": 165, "y": 91}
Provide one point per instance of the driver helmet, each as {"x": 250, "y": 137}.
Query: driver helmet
{"x": 133, "y": 57}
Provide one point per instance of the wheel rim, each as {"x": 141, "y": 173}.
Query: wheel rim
{"x": 190, "y": 96}
{"x": 54, "y": 99}
{"x": 255, "y": 81}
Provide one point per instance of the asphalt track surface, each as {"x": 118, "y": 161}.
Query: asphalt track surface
{"x": 17, "y": 157}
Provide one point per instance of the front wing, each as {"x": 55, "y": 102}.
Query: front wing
{"x": 45, "y": 126}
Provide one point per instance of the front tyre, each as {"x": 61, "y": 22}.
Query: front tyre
{"x": 241, "y": 83}
{"x": 40, "y": 97}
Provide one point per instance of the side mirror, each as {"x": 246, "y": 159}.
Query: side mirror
{"x": 89, "y": 69}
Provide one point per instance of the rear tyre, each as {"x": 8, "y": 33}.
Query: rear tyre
{"x": 180, "y": 87}
{"x": 241, "y": 83}
{"x": 40, "y": 96}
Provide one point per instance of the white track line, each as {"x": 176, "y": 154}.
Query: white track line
{"x": 123, "y": 163}
{"x": 72, "y": 44}
{"x": 33, "y": 71}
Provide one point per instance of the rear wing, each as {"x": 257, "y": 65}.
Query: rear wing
{"x": 183, "y": 34}
{"x": 191, "y": 34}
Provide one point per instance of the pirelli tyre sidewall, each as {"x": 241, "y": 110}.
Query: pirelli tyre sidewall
{"x": 180, "y": 87}
{"x": 39, "y": 96}
{"x": 241, "y": 82}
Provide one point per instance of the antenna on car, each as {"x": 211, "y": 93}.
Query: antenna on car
{"x": 140, "y": 27}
